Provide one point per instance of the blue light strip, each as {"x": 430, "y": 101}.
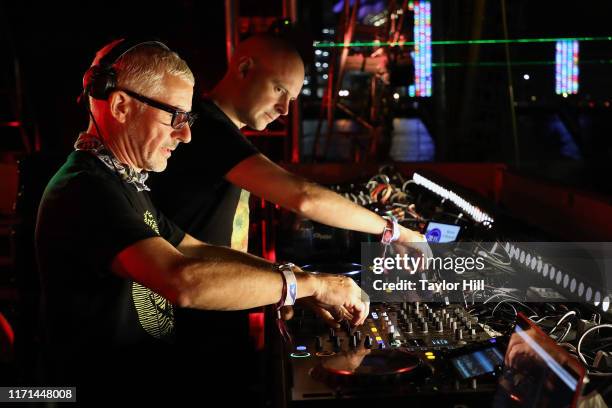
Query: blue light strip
{"x": 422, "y": 48}
{"x": 566, "y": 67}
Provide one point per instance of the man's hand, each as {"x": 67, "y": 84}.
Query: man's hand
{"x": 338, "y": 297}
{"x": 415, "y": 241}
{"x": 332, "y": 316}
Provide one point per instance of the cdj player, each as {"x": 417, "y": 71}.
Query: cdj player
{"x": 404, "y": 351}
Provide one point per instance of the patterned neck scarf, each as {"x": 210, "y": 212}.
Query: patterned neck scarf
{"x": 90, "y": 143}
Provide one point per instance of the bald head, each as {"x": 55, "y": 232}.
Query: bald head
{"x": 265, "y": 47}
{"x": 264, "y": 75}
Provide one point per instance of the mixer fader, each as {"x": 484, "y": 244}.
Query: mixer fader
{"x": 401, "y": 349}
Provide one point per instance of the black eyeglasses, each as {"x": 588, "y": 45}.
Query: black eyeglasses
{"x": 179, "y": 117}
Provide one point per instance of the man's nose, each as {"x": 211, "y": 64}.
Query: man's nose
{"x": 183, "y": 134}
{"x": 282, "y": 107}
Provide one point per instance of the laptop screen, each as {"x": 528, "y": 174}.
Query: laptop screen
{"x": 537, "y": 371}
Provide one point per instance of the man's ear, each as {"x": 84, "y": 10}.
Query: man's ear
{"x": 119, "y": 105}
{"x": 245, "y": 64}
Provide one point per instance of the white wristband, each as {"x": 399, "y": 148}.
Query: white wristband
{"x": 287, "y": 271}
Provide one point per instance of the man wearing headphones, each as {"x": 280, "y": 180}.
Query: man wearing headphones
{"x": 114, "y": 267}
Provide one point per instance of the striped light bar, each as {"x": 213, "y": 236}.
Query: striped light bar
{"x": 422, "y": 47}
{"x": 474, "y": 212}
{"x": 566, "y": 68}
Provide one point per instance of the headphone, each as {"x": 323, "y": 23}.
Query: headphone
{"x": 101, "y": 79}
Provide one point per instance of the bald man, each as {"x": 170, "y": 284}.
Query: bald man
{"x": 206, "y": 189}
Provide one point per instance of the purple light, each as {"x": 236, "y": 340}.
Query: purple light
{"x": 566, "y": 67}
{"x": 422, "y": 48}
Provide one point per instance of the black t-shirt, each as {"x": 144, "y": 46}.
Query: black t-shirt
{"x": 96, "y": 321}
{"x": 193, "y": 191}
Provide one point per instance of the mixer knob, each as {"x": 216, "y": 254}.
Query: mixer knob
{"x": 332, "y": 333}
{"x": 416, "y": 306}
{"x": 367, "y": 342}
{"x": 409, "y": 330}
{"x": 440, "y": 326}
{"x": 425, "y": 330}
{"x": 459, "y": 334}
{"x": 468, "y": 325}
{"x": 318, "y": 344}
{"x": 346, "y": 325}
{"x": 336, "y": 343}
{"x": 358, "y": 335}
{"x": 353, "y": 341}
{"x": 473, "y": 332}
{"x": 454, "y": 326}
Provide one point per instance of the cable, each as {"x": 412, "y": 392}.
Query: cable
{"x": 599, "y": 326}
{"x": 503, "y": 301}
{"x": 570, "y": 313}
{"x": 569, "y": 327}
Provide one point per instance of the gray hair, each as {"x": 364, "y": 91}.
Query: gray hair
{"x": 143, "y": 68}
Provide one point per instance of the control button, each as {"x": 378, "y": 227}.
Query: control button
{"x": 318, "y": 343}
{"x": 459, "y": 334}
{"x": 336, "y": 343}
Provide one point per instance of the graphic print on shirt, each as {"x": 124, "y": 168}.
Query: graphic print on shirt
{"x": 155, "y": 313}
{"x": 240, "y": 226}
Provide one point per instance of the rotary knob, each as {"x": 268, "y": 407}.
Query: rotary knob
{"x": 367, "y": 342}
{"x": 318, "y": 344}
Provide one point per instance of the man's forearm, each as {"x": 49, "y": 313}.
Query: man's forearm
{"x": 220, "y": 278}
{"x": 325, "y": 206}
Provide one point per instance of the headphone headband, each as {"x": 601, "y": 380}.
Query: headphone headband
{"x": 101, "y": 79}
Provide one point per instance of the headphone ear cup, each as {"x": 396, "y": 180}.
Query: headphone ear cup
{"x": 102, "y": 80}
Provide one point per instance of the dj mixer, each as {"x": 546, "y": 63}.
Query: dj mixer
{"x": 449, "y": 348}
{"x": 403, "y": 349}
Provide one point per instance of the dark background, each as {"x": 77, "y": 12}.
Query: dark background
{"x": 468, "y": 115}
